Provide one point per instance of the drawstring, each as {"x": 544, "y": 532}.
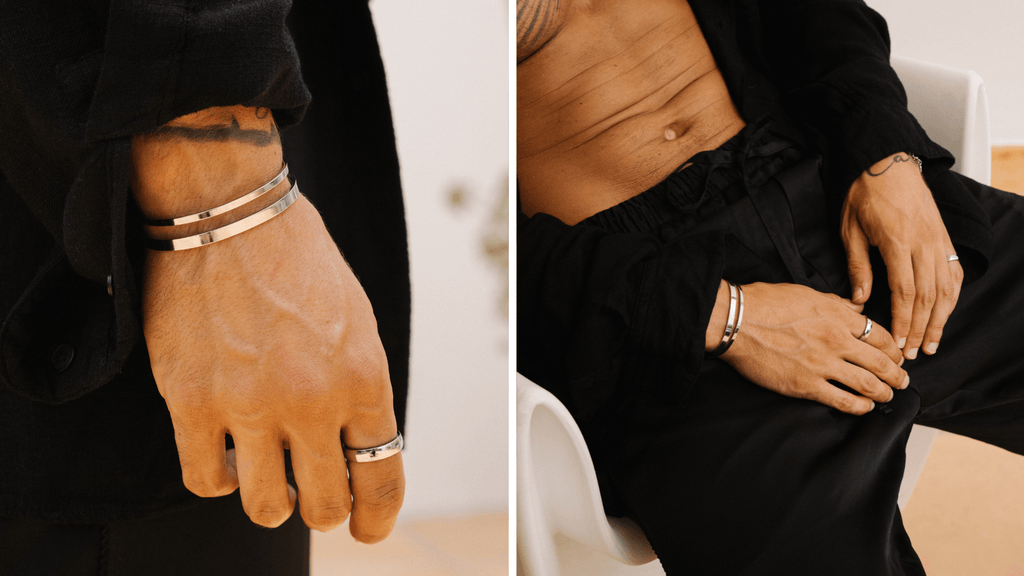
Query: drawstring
{"x": 717, "y": 159}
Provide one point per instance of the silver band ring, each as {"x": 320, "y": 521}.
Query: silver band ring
{"x": 952, "y": 258}
{"x": 375, "y": 453}
{"x": 867, "y": 330}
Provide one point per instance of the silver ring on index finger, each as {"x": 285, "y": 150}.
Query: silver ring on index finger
{"x": 867, "y": 330}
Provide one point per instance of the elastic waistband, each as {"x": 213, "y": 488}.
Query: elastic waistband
{"x": 704, "y": 184}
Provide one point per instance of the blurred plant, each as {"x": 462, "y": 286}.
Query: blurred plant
{"x": 494, "y": 242}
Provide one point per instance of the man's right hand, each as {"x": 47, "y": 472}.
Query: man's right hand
{"x": 266, "y": 336}
{"x": 793, "y": 340}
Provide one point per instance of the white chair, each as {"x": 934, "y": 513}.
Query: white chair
{"x": 562, "y": 529}
{"x": 951, "y": 106}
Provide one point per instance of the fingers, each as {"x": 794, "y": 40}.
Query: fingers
{"x": 858, "y": 263}
{"x": 903, "y": 287}
{"x": 881, "y": 341}
{"x": 206, "y": 469}
{"x": 948, "y": 294}
{"x": 267, "y": 498}
{"x": 378, "y": 489}
{"x": 924, "y": 301}
{"x": 827, "y": 394}
{"x": 934, "y": 294}
{"x": 324, "y": 498}
{"x": 863, "y": 381}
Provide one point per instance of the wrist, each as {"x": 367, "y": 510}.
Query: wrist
{"x": 899, "y": 162}
{"x": 204, "y": 159}
{"x": 719, "y": 318}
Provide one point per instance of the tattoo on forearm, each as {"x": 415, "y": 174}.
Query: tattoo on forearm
{"x": 895, "y": 159}
{"x": 232, "y": 132}
{"x": 534, "y": 21}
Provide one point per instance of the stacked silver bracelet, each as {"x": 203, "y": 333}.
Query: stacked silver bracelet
{"x": 732, "y": 324}
{"x": 229, "y": 230}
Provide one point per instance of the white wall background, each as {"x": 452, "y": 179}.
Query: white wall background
{"x": 986, "y": 36}
{"x": 448, "y": 77}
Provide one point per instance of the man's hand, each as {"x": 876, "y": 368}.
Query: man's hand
{"x": 266, "y": 336}
{"x": 793, "y": 340}
{"x": 890, "y": 207}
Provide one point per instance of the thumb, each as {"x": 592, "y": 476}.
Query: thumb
{"x": 858, "y": 263}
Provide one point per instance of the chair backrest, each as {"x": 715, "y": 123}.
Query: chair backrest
{"x": 952, "y": 107}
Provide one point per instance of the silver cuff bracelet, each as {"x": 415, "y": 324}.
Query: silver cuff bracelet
{"x": 223, "y": 208}
{"x": 233, "y": 229}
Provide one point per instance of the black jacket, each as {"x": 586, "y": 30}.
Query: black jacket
{"x": 84, "y": 435}
{"x": 593, "y": 307}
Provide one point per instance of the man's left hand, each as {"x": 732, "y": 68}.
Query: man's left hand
{"x": 891, "y": 207}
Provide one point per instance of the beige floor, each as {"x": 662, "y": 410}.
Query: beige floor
{"x": 457, "y": 546}
{"x": 966, "y": 516}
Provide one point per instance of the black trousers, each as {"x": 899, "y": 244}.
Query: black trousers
{"x": 739, "y": 480}
{"x": 211, "y": 537}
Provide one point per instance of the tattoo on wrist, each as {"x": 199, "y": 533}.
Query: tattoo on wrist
{"x": 222, "y": 133}
{"x": 896, "y": 158}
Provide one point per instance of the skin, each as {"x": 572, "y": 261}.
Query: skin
{"x": 613, "y": 95}
{"x": 266, "y": 336}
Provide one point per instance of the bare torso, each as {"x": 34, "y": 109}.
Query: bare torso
{"x": 599, "y": 83}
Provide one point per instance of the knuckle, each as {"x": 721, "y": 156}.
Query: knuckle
{"x": 832, "y": 337}
{"x": 947, "y": 290}
{"x": 203, "y": 487}
{"x": 366, "y": 365}
{"x": 189, "y": 401}
{"x": 926, "y": 295}
{"x": 844, "y": 403}
{"x": 858, "y": 267}
{"x": 385, "y": 498}
{"x": 267, "y": 513}
{"x": 328, "y": 515}
{"x": 905, "y": 291}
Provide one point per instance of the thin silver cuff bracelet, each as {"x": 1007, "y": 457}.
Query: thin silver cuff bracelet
{"x": 223, "y": 208}
{"x": 233, "y": 229}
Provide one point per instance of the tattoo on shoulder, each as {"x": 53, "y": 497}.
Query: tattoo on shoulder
{"x": 231, "y": 132}
{"x": 536, "y": 22}
{"x": 895, "y": 159}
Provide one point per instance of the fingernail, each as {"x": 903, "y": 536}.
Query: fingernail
{"x": 906, "y": 382}
{"x": 670, "y": 134}
{"x": 902, "y": 360}
{"x": 931, "y": 348}
{"x": 857, "y": 293}
{"x": 912, "y": 354}
{"x": 902, "y": 343}
{"x": 872, "y": 406}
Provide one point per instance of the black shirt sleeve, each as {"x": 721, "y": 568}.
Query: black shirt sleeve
{"x": 830, "y": 59}
{"x": 77, "y": 80}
